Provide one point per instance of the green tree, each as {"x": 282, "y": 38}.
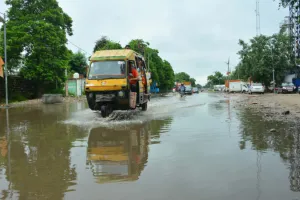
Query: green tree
{"x": 161, "y": 70}
{"x": 106, "y": 44}
{"x": 78, "y": 63}
{"x": 169, "y": 77}
{"x": 182, "y": 76}
{"x": 261, "y": 55}
{"x": 140, "y": 46}
{"x": 199, "y": 86}
{"x": 39, "y": 29}
{"x": 216, "y": 79}
{"x": 193, "y": 81}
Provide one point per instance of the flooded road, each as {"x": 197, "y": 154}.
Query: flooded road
{"x": 199, "y": 147}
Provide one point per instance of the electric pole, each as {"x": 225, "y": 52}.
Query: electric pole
{"x": 257, "y": 18}
{"x": 228, "y": 63}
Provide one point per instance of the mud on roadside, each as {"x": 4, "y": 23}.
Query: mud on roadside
{"x": 273, "y": 107}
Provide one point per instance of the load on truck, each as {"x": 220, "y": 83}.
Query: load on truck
{"x": 188, "y": 87}
{"x": 236, "y": 86}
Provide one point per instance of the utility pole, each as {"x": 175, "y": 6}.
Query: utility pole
{"x": 228, "y": 63}
{"x": 257, "y": 18}
{"x": 66, "y": 84}
{"x": 3, "y": 20}
{"x": 273, "y": 80}
{"x": 273, "y": 69}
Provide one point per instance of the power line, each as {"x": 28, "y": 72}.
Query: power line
{"x": 78, "y": 47}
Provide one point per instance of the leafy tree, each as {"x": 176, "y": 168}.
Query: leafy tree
{"x": 261, "y": 55}
{"x": 199, "y": 86}
{"x": 193, "y": 81}
{"x": 39, "y": 29}
{"x": 182, "y": 76}
{"x": 78, "y": 63}
{"x": 169, "y": 76}
{"x": 216, "y": 79}
{"x": 139, "y": 46}
{"x": 105, "y": 44}
{"x": 161, "y": 70}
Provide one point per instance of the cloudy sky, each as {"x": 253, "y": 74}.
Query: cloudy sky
{"x": 195, "y": 36}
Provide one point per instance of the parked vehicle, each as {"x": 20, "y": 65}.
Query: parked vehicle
{"x": 286, "y": 88}
{"x": 257, "y": 88}
{"x": 227, "y": 82}
{"x": 238, "y": 86}
{"x": 195, "y": 90}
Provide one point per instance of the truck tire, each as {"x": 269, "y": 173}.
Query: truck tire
{"x": 144, "y": 106}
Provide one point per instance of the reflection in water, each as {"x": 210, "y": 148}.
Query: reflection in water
{"x": 116, "y": 155}
{"x": 37, "y": 162}
{"x": 285, "y": 141}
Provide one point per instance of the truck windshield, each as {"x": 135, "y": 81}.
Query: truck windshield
{"x": 107, "y": 69}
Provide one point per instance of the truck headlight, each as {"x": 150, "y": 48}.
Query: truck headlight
{"x": 121, "y": 94}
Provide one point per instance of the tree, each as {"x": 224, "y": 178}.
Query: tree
{"x": 261, "y": 55}
{"x": 182, "y": 76}
{"x": 199, "y": 86}
{"x": 216, "y": 79}
{"x": 168, "y": 74}
{"x": 193, "y": 82}
{"x": 39, "y": 29}
{"x": 161, "y": 70}
{"x": 105, "y": 44}
{"x": 139, "y": 46}
{"x": 78, "y": 63}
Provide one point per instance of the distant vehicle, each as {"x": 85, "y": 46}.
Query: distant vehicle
{"x": 286, "y": 88}
{"x": 188, "y": 89}
{"x": 257, "y": 88}
{"x": 195, "y": 90}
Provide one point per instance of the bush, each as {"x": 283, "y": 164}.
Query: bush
{"x": 17, "y": 97}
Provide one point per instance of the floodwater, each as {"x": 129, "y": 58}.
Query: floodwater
{"x": 199, "y": 147}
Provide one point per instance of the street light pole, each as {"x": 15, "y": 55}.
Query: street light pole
{"x": 273, "y": 80}
{"x": 5, "y": 59}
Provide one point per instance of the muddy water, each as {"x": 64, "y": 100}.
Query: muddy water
{"x": 199, "y": 147}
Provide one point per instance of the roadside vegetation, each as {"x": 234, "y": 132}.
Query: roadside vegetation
{"x": 182, "y": 76}
{"x": 260, "y": 55}
{"x": 37, "y": 48}
{"x": 258, "y": 58}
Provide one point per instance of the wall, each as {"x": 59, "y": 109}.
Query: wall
{"x": 76, "y": 86}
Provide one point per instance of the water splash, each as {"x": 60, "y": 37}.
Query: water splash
{"x": 158, "y": 108}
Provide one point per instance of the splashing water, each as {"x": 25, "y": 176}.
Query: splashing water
{"x": 158, "y": 108}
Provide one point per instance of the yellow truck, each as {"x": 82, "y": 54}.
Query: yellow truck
{"x": 107, "y": 85}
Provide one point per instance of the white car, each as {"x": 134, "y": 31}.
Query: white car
{"x": 257, "y": 88}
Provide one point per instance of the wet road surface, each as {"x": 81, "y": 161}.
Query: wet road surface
{"x": 199, "y": 147}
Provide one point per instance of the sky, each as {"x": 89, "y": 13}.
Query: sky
{"x": 195, "y": 36}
